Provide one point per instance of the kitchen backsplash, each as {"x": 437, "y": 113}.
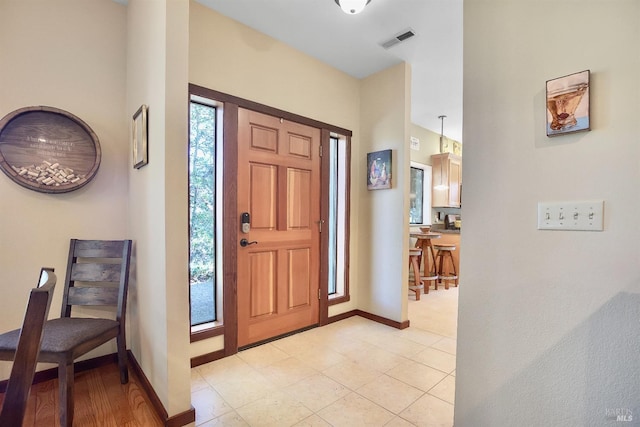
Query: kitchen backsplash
{"x": 437, "y": 214}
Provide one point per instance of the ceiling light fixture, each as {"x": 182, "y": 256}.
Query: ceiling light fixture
{"x": 444, "y": 142}
{"x": 352, "y": 6}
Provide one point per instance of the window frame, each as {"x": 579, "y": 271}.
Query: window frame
{"x": 215, "y": 328}
{"x": 426, "y": 193}
{"x": 344, "y": 184}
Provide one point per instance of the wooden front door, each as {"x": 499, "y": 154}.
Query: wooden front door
{"x": 279, "y": 187}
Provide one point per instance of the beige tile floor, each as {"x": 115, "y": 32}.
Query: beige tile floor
{"x": 355, "y": 372}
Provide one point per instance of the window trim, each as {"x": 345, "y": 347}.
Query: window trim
{"x": 211, "y": 329}
{"x": 345, "y": 295}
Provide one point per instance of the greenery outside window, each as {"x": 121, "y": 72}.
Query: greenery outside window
{"x": 202, "y": 213}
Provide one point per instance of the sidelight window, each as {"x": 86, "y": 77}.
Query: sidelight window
{"x": 420, "y": 194}
{"x": 202, "y": 213}
{"x": 337, "y": 226}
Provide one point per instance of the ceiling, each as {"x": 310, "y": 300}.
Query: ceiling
{"x": 351, "y": 43}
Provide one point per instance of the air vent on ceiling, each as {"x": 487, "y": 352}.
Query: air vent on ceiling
{"x": 398, "y": 38}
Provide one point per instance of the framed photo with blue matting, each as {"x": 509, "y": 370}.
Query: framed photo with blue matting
{"x": 379, "y": 170}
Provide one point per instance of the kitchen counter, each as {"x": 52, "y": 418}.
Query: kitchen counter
{"x": 439, "y": 228}
{"x": 443, "y": 231}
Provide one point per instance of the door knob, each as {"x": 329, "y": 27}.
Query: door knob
{"x": 245, "y": 242}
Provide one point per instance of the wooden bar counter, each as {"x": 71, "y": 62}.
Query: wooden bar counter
{"x": 437, "y": 236}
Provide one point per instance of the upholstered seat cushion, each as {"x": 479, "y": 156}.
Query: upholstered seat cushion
{"x": 65, "y": 334}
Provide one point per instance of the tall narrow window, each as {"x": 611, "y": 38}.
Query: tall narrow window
{"x": 420, "y": 194}
{"x": 338, "y": 214}
{"x": 202, "y": 213}
{"x": 416, "y": 192}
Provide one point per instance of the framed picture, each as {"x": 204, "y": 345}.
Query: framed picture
{"x": 445, "y": 145}
{"x": 140, "y": 140}
{"x": 568, "y": 104}
{"x": 379, "y": 170}
{"x": 457, "y": 148}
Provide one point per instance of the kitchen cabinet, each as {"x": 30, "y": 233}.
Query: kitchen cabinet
{"x": 447, "y": 180}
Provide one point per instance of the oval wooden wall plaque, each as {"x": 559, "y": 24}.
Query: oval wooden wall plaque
{"x": 48, "y": 150}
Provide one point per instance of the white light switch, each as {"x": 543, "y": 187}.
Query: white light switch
{"x": 582, "y": 215}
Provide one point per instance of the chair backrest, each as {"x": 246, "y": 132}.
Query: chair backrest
{"x": 91, "y": 267}
{"x": 26, "y": 356}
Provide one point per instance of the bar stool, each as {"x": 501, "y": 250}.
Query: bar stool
{"x": 414, "y": 262}
{"x": 423, "y": 241}
{"x": 430, "y": 276}
{"x": 445, "y": 252}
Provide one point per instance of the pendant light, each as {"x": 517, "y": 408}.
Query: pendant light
{"x": 444, "y": 142}
{"x": 352, "y": 6}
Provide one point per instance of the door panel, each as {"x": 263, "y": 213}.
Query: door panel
{"x": 299, "y": 146}
{"x": 299, "y": 272}
{"x": 263, "y": 283}
{"x": 298, "y": 199}
{"x": 264, "y": 138}
{"x": 279, "y": 186}
{"x": 454, "y": 183}
{"x": 264, "y": 190}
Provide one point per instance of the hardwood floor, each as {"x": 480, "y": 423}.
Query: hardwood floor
{"x": 100, "y": 401}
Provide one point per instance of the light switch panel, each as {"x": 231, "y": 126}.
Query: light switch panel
{"x": 574, "y": 216}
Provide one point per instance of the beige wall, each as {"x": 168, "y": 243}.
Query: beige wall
{"x": 429, "y": 144}
{"x": 229, "y": 57}
{"x": 157, "y": 64}
{"x": 548, "y": 325}
{"x": 72, "y": 55}
{"x": 232, "y": 58}
{"x": 67, "y": 54}
{"x": 383, "y": 223}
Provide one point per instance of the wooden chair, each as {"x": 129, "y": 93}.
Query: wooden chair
{"x": 93, "y": 267}
{"x": 26, "y": 355}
